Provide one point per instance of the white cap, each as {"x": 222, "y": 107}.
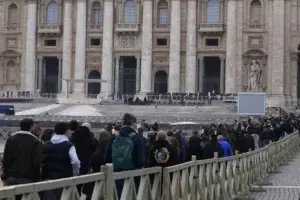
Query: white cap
{"x": 88, "y": 125}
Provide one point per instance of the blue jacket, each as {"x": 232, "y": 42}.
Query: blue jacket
{"x": 226, "y": 147}
{"x": 138, "y": 151}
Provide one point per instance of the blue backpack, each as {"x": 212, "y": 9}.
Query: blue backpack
{"x": 122, "y": 150}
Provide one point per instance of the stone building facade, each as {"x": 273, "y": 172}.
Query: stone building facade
{"x": 141, "y": 46}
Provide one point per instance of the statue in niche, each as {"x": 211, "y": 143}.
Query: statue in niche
{"x": 255, "y": 77}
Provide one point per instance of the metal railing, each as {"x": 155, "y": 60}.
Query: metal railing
{"x": 217, "y": 178}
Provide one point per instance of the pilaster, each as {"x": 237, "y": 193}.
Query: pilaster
{"x": 30, "y": 55}
{"x": 80, "y": 47}
{"x": 67, "y": 45}
{"x": 231, "y": 47}
{"x": 174, "y": 63}
{"x": 146, "y": 62}
{"x": 191, "y": 43}
{"x": 107, "y": 49}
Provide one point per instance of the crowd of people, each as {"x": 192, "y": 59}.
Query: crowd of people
{"x": 71, "y": 149}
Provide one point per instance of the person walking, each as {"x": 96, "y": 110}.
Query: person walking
{"x": 22, "y": 157}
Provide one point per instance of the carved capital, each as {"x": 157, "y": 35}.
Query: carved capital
{"x": 222, "y": 58}
{"x": 40, "y": 57}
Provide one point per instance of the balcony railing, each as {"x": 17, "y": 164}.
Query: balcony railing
{"x": 12, "y": 28}
{"x": 94, "y": 27}
{"x": 49, "y": 29}
{"x": 127, "y": 28}
{"x": 255, "y": 27}
{"x": 211, "y": 28}
{"x": 161, "y": 27}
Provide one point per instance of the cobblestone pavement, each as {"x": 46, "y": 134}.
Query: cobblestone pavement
{"x": 289, "y": 178}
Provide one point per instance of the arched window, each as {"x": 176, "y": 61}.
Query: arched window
{"x": 52, "y": 17}
{"x": 162, "y": 12}
{"x": 11, "y": 72}
{"x": 12, "y": 15}
{"x": 255, "y": 12}
{"x": 129, "y": 12}
{"x": 213, "y": 12}
{"x": 96, "y": 13}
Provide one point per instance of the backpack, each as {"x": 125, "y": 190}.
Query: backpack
{"x": 122, "y": 150}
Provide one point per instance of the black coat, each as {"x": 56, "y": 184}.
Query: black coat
{"x": 195, "y": 148}
{"x": 85, "y": 144}
{"x": 157, "y": 147}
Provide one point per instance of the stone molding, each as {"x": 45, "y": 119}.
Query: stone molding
{"x": 31, "y": 1}
{"x": 294, "y": 56}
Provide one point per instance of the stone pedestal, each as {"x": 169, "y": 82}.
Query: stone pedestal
{"x": 76, "y": 98}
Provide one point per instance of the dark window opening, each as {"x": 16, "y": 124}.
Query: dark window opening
{"x": 50, "y": 43}
{"x": 162, "y": 42}
{"x": 95, "y": 42}
{"x": 212, "y": 42}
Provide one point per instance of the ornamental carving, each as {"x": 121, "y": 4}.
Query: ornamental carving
{"x": 94, "y": 59}
{"x": 161, "y": 60}
{"x": 255, "y": 42}
{"x": 127, "y": 41}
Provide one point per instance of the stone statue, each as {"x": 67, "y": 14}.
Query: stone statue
{"x": 255, "y": 77}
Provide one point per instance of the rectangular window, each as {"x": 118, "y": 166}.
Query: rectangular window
{"x": 50, "y": 43}
{"x": 95, "y": 42}
{"x": 162, "y": 42}
{"x": 211, "y": 42}
{"x": 163, "y": 16}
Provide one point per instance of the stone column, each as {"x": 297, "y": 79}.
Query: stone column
{"x": 230, "y": 82}
{"x": 191, "y": 59}
{"x": 59, "y": 74}
{"x": 174, "y": 63}
{"x": 294, "y": 79}
{"x": 278, "y": 49}
{"x": 117, "y": 77}
{"x": 79, "y": 71}
{"x": 138, "y": 74}
{"x": 222, "y": 75}
{"x": 67, "y": 44}
{"x": 201, "y": 74}
{"x": 30, "y": 55}
{"x": 40, "y": 79}
{"x": 107, "y": 49}
{"x": 146, "y": 69}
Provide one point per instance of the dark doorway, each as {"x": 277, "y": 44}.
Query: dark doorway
{"x": 50, "y": 75}
{"x": 161, "y": 82}
{"x": 94, "y": 88}
{"x": 212, "y": 67}
{"x": 128, "y": 74}
{"x": 298, "y": 76}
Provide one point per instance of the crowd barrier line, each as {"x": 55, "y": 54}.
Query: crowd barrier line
{"x": 212, "y": 179}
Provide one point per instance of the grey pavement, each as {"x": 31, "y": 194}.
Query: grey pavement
{"x": 288, "y": 182}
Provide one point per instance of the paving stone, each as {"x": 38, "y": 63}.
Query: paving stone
{"x": 289, "y": 176}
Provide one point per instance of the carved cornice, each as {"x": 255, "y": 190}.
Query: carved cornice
{"x": 31, "y": 1}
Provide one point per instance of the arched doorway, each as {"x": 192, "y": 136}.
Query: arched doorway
{"x": 161, "y": 82}
{"x": 94, "y": 88}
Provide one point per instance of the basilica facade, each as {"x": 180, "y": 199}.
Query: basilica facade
{"x": 141, "y": 46}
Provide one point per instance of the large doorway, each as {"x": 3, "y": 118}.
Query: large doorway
{"x": 50, "y": 75}
{"x": 94, "y": 88}
{"x": 128, "y": 75}
{"x": 212, "y": 69}
{"x": 161, "y": 82}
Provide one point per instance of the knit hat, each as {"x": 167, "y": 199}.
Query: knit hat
{"x": 88, "y": 125}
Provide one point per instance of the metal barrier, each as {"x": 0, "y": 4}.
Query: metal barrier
{"x": 217, "y": 178}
